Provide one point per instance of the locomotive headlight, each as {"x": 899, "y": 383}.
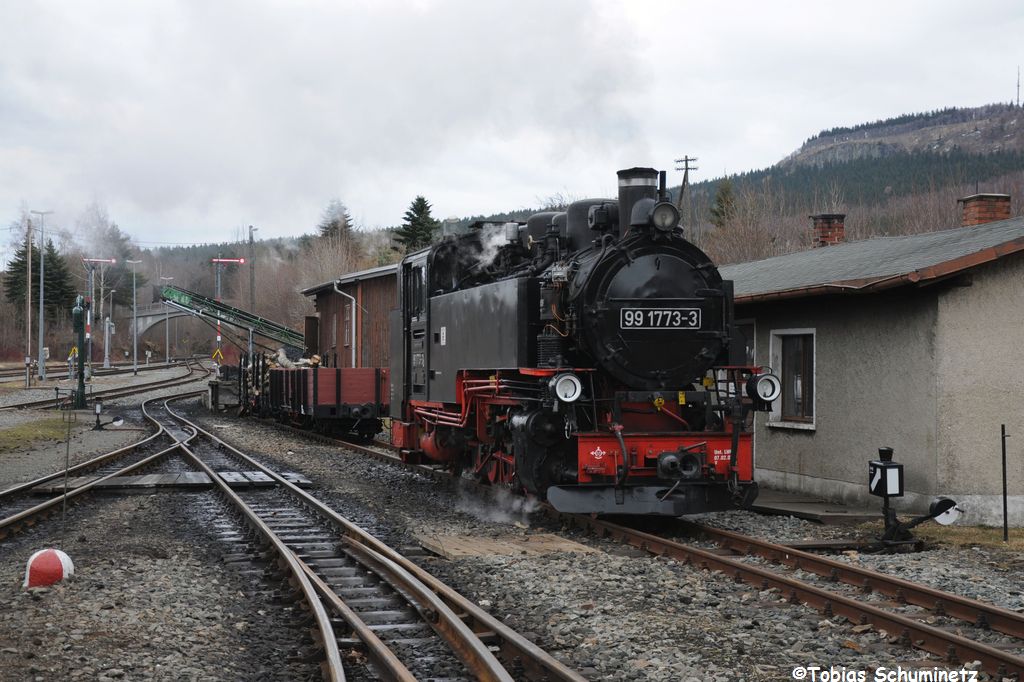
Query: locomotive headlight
{"x": 665, "y": 216}
{"x": 766, "y": 387}
{"x": 566, "y": 387}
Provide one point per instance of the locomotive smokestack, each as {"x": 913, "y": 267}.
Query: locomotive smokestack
{"x": 634, "y": 184}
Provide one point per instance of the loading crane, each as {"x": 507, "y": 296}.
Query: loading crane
{"x": 204, "y": 306}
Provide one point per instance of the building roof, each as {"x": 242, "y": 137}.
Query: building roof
{"x": 349, "y": 278}
{"x": 874, "y": 264}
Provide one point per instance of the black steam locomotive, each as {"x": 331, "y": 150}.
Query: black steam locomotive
{"x": 588, "y": 357}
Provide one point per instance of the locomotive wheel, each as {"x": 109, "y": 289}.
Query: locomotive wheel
{"x": 488, "y": 474}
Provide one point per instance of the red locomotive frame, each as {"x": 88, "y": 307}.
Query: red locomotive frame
{"x": 647, "y": 430}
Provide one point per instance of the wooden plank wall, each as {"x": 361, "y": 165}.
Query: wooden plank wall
{"x": 378, "y": 296}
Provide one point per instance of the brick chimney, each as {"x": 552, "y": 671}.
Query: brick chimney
{"x": 829, "y": 228}
{"x": 984, "y": 208}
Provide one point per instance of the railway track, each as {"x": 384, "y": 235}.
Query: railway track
{"x": 59, "y": 371}
{"x": 1000, "y": 659}
{"x": 120, "y": 392}
{"x": 361, "y": 594}
{"x": 832, "y": 587}
{"x": 904, "y": 591}
{"x": 394, "y": 619}
{"x": 20, "y": 507}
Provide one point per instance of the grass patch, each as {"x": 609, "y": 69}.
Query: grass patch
{"x": 951, "y": 536}
{"x": 13, "y": 384}
{"x": 19, "y": 438}
{"x": 971, "y": 536}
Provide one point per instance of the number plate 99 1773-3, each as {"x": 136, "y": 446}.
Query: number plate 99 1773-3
{"x": 659, "y": 318}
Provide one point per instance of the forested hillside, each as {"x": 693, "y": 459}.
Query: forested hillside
{"x": 897, "y": 176}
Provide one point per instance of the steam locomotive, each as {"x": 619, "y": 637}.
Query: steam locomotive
{"x": 588, "y": 357}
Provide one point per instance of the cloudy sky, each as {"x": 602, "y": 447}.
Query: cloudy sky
{"x": 188, "y": 120}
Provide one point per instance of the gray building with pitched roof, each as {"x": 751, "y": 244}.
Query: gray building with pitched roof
{"x": 911, "y": 342}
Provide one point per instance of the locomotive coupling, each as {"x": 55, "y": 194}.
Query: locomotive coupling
{"x": 679, "y": 465}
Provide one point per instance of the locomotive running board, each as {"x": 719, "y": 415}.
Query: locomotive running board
{"x": 638, "y": 500}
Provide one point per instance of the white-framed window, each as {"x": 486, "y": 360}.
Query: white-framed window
{"x": 792, "y": 353}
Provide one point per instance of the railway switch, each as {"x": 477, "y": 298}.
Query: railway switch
{"x": 885, "y": 480}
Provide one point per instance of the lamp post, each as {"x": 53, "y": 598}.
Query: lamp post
{"x": 106, "y": 333}
{"x": 167, "y": 327}
{"x": 135, "y": 322}
{"x": 42, "y": 268}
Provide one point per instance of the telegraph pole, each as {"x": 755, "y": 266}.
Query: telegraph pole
{"x": 42, "y": 269}
{"x": 686, "y": 168}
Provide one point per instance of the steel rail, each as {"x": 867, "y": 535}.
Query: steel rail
{"x": 912, "y": 633}
{"x": 909, "y": 631}
{"x": 376, "y": 649}
{"x": 78, "y": 468}
{"x": 332, "y": 667}
{"x": 943, "y": 603}
{"x": 119, "y": 392}
{"x": 441, "y": 618}
{"x": 114, "y": 369}
{"x": 96, "y": 461}
{"x": 12, "y": 523}
{"x": 513, "y": 645}
{"x": 8, "y": 525}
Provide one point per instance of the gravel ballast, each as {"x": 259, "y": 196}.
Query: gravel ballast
{"x": 618, "y": 614}
{"x": 152, "y": 598}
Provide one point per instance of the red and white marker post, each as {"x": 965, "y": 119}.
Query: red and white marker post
{"x": 46, "y": 567}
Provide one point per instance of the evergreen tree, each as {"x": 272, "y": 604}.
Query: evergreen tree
{"x": 338, "y": 235}
{"x": 419, "y": 227}
{"x": 14, "y": 278}
{"x": 723, "y": 210}
{"x": 60, "y": 290}
{"x": 336, "y": 221}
